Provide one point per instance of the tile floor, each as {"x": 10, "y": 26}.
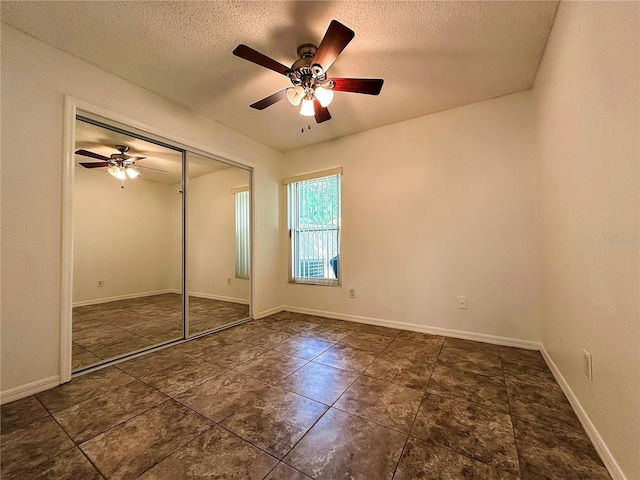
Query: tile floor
{"x": 295, "y": 397}
{"x": 110, "y": 330}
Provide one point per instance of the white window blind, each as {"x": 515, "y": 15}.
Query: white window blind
{"x": 314, "y": 227}
{"x": 242, "y": 232}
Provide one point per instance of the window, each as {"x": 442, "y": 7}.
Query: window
{"x": 314, "y": 227}
{"x": 242, "y": 232}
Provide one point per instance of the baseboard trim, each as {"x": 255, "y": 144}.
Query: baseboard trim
{"x": 607, "y": 457}
{"x": 29, "y": 389}
{"x": 242, "y": 301}
{"x": 446, "y": 332}
{"x": 129, "y": 296}
{"x": 601, "y": 447}
{"x": 266, "y": 313}
{"x": 121, "y": 297}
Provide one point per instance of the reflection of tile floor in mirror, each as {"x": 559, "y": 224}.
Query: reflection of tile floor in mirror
{"x": 296, "y": 397}
{"x": 110, "y": 330}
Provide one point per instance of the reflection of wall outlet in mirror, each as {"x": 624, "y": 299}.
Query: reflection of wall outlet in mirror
{"x": 100, "y": 283}
{"x": 352, "y": 293}
{"x": 462, "y": 302}
{"x": 229, "y": 281}
{"x": 587, "y": 364}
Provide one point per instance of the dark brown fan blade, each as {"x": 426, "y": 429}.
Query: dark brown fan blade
{"x": 149, "y": 168}
{"x": 87, "y": 153}
{"x": 370, "y": 86}
{"x": 94, "y": 164}
{"x": 135, "y": 159}
{"x": 335, "y": 39}
{"x": 270, "y": 100}
{"x": 256, "y": 57}
{"x": 321, "y": 113}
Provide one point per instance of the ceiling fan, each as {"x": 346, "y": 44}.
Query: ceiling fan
{"x": 120, "y": 165}
{"x": 312, "y": 89}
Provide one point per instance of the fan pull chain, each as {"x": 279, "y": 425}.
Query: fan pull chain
{"x": 302, "y": 123}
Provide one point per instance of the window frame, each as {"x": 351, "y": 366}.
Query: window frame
{"x": 326, "y": 281}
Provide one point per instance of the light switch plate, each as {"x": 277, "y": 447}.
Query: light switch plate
{"x": 462, "y": 302}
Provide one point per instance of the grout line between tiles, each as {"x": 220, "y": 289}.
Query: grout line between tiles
{"x": 358, "y": 376}
{"x": 424, "y": 393}
{"x": 75, "y": 444}
{"x": 511, "y": 417}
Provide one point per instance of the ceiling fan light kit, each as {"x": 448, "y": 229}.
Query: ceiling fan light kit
{"x": 121, "y": 173}
{"x": 120, "y": 165}
{"x": 117, "y": 172}
{"x": 324, "y": 95}
{"x": 312, "y": 90}
{"x": 307, "y": 109}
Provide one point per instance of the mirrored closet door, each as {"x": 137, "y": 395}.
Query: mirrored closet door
{"x": 218, "y": 243}
{"x": 149, "y": 217}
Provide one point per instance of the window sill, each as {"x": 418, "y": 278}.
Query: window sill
{"x": 293, "y": 282}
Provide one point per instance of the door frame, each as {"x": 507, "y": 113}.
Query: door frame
{"x": 72, "y": 107}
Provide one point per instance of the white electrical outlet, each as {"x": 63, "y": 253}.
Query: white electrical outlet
{"x": 462, "y": 302}
{"x": 229, "y": 281}
{"x": 100, "y": 283}
{"x": 352, "y": 293}
{"x": 587, "y": 364}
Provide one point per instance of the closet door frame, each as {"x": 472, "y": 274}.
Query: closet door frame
{"x": 72, "y": 108}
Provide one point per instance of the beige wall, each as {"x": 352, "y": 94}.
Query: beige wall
{"x": 587, "y": 93}
{"x": 434, "y": 208}
{"x": 509, "y": 202}
{"x": 121, "y": 236}
{"x": 35, "y": 78}
{"x": 212, "y": 234}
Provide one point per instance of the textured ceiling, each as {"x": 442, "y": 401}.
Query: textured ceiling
{"x": 432, "y": 55}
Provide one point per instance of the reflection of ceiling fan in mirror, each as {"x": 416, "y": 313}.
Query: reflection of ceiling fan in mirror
{"x": 120, "y": 165}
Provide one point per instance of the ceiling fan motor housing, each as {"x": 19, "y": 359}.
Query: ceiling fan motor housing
{"x": 304, "y": 73}
{"x": 307, "y": 50}
{"x": 120, "y": 156}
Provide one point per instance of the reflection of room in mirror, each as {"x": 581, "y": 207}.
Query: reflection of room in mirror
{"x": 211, "y": 234}
{"x": 127, "y": 249}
